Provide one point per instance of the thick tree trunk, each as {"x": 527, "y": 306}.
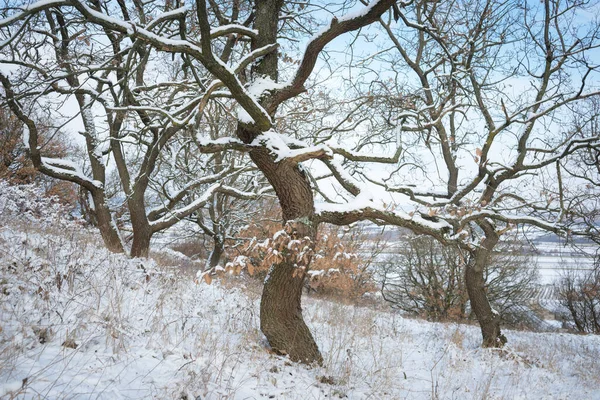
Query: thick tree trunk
{"x": 140, "y": 247}
{"x": 280, "y": 308}
{"x": 281, "y": 314}
{"x": 215, "y": 254}
{"x": 488, "y": 318}
{"x": 107, "y": 228}
{"x": 142, "y": 232}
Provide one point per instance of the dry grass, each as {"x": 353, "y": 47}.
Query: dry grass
{"x": 72, "y": 314}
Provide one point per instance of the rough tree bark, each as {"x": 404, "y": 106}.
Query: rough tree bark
{"x": 216, "y": 253}
{"x": 106, "y": 226}
{"x": 488, "y": 318}
{"x": 280, "y": 308}
{"x": 142, "y": 231}
{"x": 142, "y": 234}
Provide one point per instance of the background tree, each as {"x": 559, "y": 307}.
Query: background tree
{"x": 234, "y": 203}
{"x": 481, "y": 147}
{"x": 125, "y": 120}
{"x": 426, "y": 278}
{"x": 579, "y": 293}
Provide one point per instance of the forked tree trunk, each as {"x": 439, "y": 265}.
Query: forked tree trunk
{"x": 488, "y": 318}
{"x": 108, "y": 230}
{"x": 280, "y": 307}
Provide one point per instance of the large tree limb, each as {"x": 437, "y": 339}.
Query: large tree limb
{"x": 54, "y": 168}
{"x": 337, "y": 27}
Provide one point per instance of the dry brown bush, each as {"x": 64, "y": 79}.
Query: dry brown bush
{"x": 17, "y": 168}
{"x": 340, "y": 267}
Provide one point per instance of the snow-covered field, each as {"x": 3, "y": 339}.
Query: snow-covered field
{"x": 78, "y": 322}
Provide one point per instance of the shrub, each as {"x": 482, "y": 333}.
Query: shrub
{"x": 340, "y": 267}
{"x": 426, "y": 278}
{"x": 580, "y": 294}
{"x": 17, "y": 168}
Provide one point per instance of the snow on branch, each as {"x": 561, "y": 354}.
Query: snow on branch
{"x": 356, "y": 156}
{"x": 570, "y": 148}
{"x": 511, "y": 219}
{"x": 174, "y": 216}
{"x": 278, "y": 145}
{"x": 157, "y": 110}
{"x": 337, "y": 27}
{"x": 223, "y": 144}
{"x": 426, "y": 198}
{"x": 61, "y": 163}
{"x": 253, "y": 112}
{"x": 249, "y": 58}
{"x": 32, "y": 9}
{"x": 176, "y": 197}
{"x": 233, "y": 28}
{"x": 255, "y": 90}
{"x": 363, "y": 208}
{"x": 66, "y": 170}
{"x": 343, "y": 177}
{"x": 173, "y": 14}
{"x": 237, "y": 193}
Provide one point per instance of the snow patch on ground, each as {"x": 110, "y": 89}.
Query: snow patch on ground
{"x": 79, "y": 322}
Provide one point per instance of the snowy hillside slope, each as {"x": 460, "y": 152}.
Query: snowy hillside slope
{"x": 77, "y": 322}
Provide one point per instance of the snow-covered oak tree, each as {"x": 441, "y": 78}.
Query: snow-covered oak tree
{"x": 64, "y": 67}
{"x": 65, "y": 169}
{"x": 228, "y": 50}
{"x": 481, "y": 93}
{"x": 458, "y": 59}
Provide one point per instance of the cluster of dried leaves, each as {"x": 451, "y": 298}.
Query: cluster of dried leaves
{"x": 337, "y": 264}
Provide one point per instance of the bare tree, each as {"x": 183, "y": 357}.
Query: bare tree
{"x": 579, "y": 291}
{"x": 580, "y": 294}
{"x": 58, "y": 57}
{"x": 68, "y": 171}
{"x": 427, "y": 279}
{"x": 457, "y": 107}
{"x": 233, "y": 204}
{"x": 476, "y": 92}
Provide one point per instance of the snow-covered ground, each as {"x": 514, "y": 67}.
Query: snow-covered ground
{"x": 551, "y": 268}
{"x": 78, "y": 322}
